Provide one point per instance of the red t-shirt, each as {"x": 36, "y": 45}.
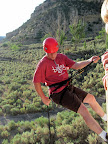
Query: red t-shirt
{"x": 52, "y": 71}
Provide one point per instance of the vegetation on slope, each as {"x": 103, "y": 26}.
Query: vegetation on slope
{"x": 17, "y": 94}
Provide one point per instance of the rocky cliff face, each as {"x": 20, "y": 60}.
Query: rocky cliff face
{"x": 59, "y": 14}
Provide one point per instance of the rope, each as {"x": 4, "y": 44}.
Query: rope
{"x": 49, "y": 125}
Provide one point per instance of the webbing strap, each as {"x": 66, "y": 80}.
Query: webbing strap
{"x": 58, "y": 85}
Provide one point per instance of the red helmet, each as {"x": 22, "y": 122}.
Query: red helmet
{"x": 50, "y": 45}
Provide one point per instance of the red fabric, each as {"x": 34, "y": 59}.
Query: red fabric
{"x": 105, "y": 60}
{"x": 104, "y": 82}
{"x": 50, "y": 72}
{"x": 104, "y": 63}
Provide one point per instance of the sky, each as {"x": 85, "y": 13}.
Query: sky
{"x": 13, "y": 13}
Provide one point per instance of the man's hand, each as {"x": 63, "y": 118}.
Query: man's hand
{"x": 46, "y": 101}
{"x": 39, "y": 90}
{"x": 95, "y": 59}
{"x": 82, "y": 64}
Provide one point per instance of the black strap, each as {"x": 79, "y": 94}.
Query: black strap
{"x": 49, "y": 124}
{"x": 58, "y": 85}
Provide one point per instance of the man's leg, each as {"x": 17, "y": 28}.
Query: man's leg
{"x": 89, "y": 120}
{"x": 90, "y": 99}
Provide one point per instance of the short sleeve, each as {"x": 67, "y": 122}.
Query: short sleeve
{"x": 69, "y": 62}
{"x": 39, "y": 75}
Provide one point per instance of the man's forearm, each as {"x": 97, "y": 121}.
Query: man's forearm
{"x": 39, "y": 90}
{"x": 81, "y": 64}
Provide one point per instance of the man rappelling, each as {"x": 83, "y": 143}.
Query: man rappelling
{"x": 52, "y": 70}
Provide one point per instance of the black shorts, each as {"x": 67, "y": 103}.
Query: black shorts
{"x": 70, "y": 97}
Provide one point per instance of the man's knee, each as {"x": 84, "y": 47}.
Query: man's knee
{"x": 90, "y": 99}
{"x": 83, "y": 111}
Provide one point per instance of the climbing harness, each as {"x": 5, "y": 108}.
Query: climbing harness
{"x": 58, "y": 85}
{"x": 67, "y": 81}
{"x": 62, "y": 83}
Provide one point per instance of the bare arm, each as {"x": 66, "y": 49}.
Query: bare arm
{"x": 40, "y": 92}
{"x": 82, "y": 64}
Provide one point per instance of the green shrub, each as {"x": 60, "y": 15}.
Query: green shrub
{"x": 27, "y": 93}
{"x": 14, "y": 95}
{"x": 5, "y": 134}
{"x": 28, "y": 138}
{"x": 42, "y": 134}
{"x": 23, "y": 81}
{"x": 41, "y": 121}
{"x": 30, "y": 108}
{"x": 27, "y": 126}
{"x": 36, "y": 104}
{"x": 14, "y": 47}
{"x": 1, "y": 112}
{"x": 24, "y": 126}
{"x": 76, "y": 132}
{"x": 16, "y": 139}
{"x": 14, "y": 86}
{"x": 19, "y": 102}
{"x": 6, "y": 108}
{"x": 15, "y": 111}
{"x": 5, "y": 45}
{"x": 12, "y": 125}
{"x": 92, "y": 138}
{"x": 5, "y": 141}
{"x": 25, "y": 138}
{"x": 23, "y": 110}
{"x": 65, "y": 117}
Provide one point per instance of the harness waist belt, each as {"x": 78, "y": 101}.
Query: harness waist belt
{"x": 58, "y": 85}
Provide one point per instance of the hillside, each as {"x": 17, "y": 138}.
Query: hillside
{"x": 58, "y": 14}
{"x": 2, "y": 37}
{"x": 18, "y": 99}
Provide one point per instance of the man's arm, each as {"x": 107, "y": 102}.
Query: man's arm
{"x": 40, "y": 92}
{"x": 82, "y": 64}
